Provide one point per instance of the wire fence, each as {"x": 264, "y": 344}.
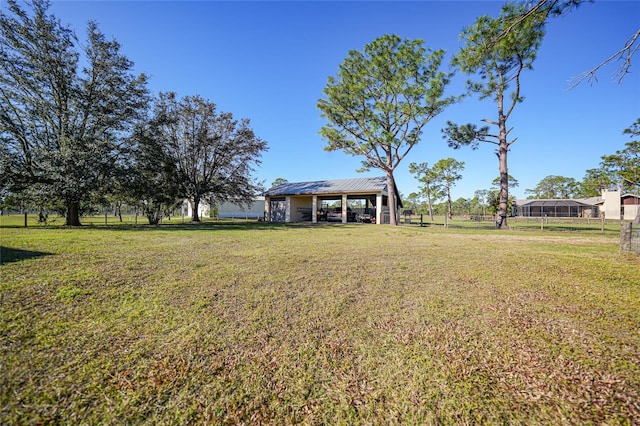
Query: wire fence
{"x": 516, "y": 223}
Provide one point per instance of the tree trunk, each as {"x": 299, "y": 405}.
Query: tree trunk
{"x": 430, "y": 207}
{"x": 73, "y": 214}
{"x": 195, "y": 202}
{"x": 154, "y": 213}
{"x": 503, "y": 148}
{"x": 392, "y": 202}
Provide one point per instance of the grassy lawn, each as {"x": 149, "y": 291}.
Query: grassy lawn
{"x": 227, "y": 323}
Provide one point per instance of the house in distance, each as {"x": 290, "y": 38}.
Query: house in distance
{"x": 611, "y": 205}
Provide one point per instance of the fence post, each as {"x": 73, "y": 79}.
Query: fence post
{"x": 625, "y": 237}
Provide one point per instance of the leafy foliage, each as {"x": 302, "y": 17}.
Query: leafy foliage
{"x": 62, "y": 126}
{"x": 278, "y": 181}
{"x": 154, "y": 182}
{"x": 621, "y": 169}
{"x": 594, "y": 181}
{"x": 431, "y": 186}
{"x": 214, "y": 154}
{"x": 554, "y": 187}
{"x": 447, "y": 171}
{"x": 625, "y": 163}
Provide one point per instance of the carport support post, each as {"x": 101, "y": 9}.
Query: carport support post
{"x": 287, "y": 214}
{"x": 344, "y": 208}
{"x": 314, "y": 209}
{"x": 378, "y": 209}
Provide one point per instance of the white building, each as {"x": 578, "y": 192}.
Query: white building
{"x": 620, "y": 206}
{"x": 228, "y": 210}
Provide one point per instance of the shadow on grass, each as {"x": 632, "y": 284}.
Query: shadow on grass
{"x": 8, "y": 254}
{"x": 204, "y": 226}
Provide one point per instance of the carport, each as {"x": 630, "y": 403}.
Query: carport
{"x": 343, "y": 200}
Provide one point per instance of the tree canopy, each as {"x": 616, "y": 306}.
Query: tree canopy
{"x": 278, "y": 181}
{"x": 214, "y": 154}
{"x": 625, "y": 163}
{"x": 554, "y": 187}
{"x": 447, "y": 171}
{"x": 431, "y": 186}
{"x": 153, "y": 182}
{"x": 64, "y": 107}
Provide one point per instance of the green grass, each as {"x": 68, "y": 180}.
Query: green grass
{"x": 227, "y": 323}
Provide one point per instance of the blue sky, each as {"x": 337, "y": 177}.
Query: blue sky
{"x": 269, "y": 62}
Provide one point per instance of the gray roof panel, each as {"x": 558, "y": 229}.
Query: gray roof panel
{"x": 551, "y": 203}
{"x": 340, "y": 186}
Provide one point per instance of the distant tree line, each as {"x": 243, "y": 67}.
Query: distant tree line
{"x": 79, "y": 127}
{"x": 620, "y": 170}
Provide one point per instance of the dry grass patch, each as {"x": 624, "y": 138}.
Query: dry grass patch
{"x": 328, "y": 324}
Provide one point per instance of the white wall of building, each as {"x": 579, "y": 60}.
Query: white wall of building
{"x": 229, "y": 210}
{"x": 630, "y": 211}
{"x": 203, "y": 209}
{"x": 612, "y": 204}
{"x": 254, "y": 211}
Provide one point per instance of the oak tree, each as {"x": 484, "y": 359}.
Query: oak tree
{"x": 65, "y": 107}
{"x": 152, "y": 181}
{"x": 214, "y": 154}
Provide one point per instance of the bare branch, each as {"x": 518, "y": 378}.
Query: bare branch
{"x": 624, "y": 54}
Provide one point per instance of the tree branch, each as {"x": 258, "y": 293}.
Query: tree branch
{"x": 630, "y": 48}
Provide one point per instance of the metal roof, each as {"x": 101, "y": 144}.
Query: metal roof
{"x": 340, "y": 186}
{"x": 592, "y": 201}
{"x": 552, "y": 203}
